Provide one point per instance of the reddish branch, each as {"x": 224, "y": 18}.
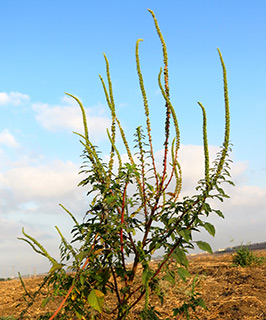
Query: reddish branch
{"x": 72, "y": 287}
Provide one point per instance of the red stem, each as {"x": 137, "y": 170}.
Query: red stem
{"x": 72, "y": 287}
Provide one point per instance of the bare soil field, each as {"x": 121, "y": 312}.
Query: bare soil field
{"x": 230, "y": 293}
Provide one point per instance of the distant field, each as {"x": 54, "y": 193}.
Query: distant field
{"x": 230, "y": 293}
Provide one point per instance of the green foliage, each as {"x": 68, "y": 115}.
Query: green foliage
{"x": 243, "y": 257}
{"x": 192, "y": 301}
{"x": 8, "y": 318}
{"x": 135, "y": 211}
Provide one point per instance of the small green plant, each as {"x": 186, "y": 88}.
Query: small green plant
{"x": 135, "y": 211}
{"x": 5, "y": 279}
{"x": 245, "y": 258}
{"x": 8, "y": 318}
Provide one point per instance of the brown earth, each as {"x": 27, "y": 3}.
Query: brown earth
{"x": 230, "y": 293}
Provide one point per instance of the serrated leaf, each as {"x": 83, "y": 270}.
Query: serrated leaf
{"x": 210, "y": 228}
{"x": 180, "y": 257}
{"x": 96, "y": 299}
{"x": 183, "y": 273}
{"x": 204, "y": 246}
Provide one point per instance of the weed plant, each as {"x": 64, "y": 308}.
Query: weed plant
{"x": 243, "y": 257}
{"x": 121, "y": 223}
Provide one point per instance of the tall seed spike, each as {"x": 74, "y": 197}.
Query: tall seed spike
{"x": 109, "y": 81}
{"x": 52, "y": 260}
{"x": 227, "y": 121}
{"x": 166, "y": 83}
{"x": 66, "y": 244}
{"x": 146, "y": 107}
{"x": 142, "y": 161}
{"x": 106, "y": 94}
{"x": 178, "y": 175}
{"x": 172, "y": 109}
{"x": 165, "y": 55}
{"x": 70, "y": 214}
{"x": 141, "y": 84}
{"x": 116, "y": 150}
{"x": 112, "y": 103}
{"x": 205, "y": 143}
{"x": 85, "y": 125}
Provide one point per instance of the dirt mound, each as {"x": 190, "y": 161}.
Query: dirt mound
{"x": 230, "y": 293}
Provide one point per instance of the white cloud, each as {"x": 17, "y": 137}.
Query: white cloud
{"x": 52, "y": 180}
{"x": 29, "y": 196}
{"x": 251, "y": 196}
{"x": 14, "y": 98}
{"x": 68, "y": 117}
{"x": 30, "y": 193}
{"x": 18, "y": 255}
{"x": 8, "y": 139}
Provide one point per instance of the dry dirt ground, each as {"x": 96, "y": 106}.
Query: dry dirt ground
{"x": 230, "y": 293}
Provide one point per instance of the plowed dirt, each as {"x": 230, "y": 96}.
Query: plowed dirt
{"x": 230, "y": 293}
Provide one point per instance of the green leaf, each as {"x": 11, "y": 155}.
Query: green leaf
{"x": 79, "y": 314}
{"x": 45, "y": 301}
{"x": 55, "y": 267}
{"x": 180, "y": 257}
{"x": 146, "y": 275}
{"x": 200, "y": 302}
{"x": 204, "y": 246}
{"x": 82, "y": 255}
{"x": 169, "y": 278}
{"x": 219, "y": 212}
{"x": 210, "y": 228}
{"x": 96, "y": 299}
{"x": 82, "y": 279}
{"x": 183, "y": 273}
{"x": 206, "y": 207}
{"x": 186, "y": 234}
{"x": 132, "y": 230}
{"x": 151, "y": 188}
{"x": 173, "y": 237}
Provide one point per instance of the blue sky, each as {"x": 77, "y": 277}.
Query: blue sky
{"x": 52, "y": 47}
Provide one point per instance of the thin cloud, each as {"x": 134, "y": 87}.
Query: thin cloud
{"x": 13, "y": 98}
{"x": 48, "y": 181}
{"x": 68, "y": 117}
{"x": 7, "y": 139}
